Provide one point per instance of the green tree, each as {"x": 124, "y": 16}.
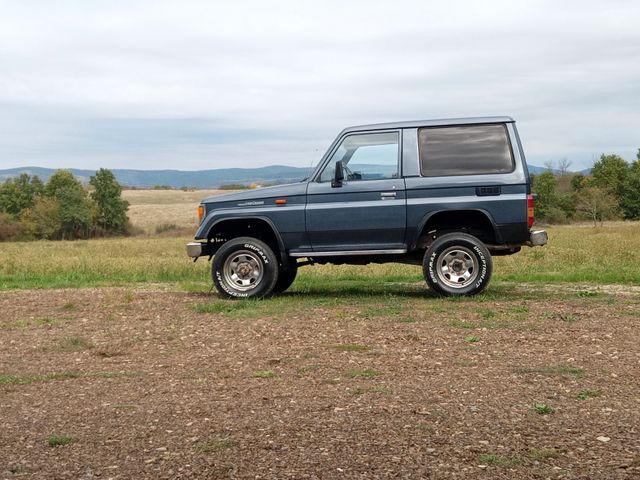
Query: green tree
{"x": 19, "y": 193}
{"x": 545, "y": 187}
{"x": 630, "y": 199}
{"x": 75, "y": 208}
{"x": 42, "y": 221}
{"x": 111, "y": 214}
{"x": 596, "y": 204}
{"x": 609, "y": 174}
{"x": 578, "y": 182}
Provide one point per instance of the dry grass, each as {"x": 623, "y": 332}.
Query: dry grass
{"x": 150, "y": 208}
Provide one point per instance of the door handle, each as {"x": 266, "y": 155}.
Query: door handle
{"x": 387, "y": 195}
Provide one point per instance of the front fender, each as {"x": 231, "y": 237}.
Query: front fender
{"x": 216, "y": 217}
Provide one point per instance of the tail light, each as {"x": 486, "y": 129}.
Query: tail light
{"x": 200, "y": 213}
{"x": 530, "y": 210}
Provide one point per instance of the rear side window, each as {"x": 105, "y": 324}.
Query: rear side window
{"x": 464, "y": 150}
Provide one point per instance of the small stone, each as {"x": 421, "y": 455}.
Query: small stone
{"x": 484, "y": 442}
{"x": 603, "y": 439}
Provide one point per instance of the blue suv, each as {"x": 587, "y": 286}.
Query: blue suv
{"x": 444, "y": 194}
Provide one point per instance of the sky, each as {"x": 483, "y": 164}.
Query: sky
{"x": 195, "y": 85}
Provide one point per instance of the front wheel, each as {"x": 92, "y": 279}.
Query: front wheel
{"x": 244, "y": 267}
{"x": 286, "y": 276}
{"x": 457, "y": 264}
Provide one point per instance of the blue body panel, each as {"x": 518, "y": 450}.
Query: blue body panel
{"x": 358, "y": 215}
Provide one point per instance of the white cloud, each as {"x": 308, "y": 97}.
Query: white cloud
{"x": 200, "y": 84}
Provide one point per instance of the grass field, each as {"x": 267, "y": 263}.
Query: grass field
{"x": 150, "y": 209}
{"x": 608, "y": 255}
{"x": 577, "y": 253}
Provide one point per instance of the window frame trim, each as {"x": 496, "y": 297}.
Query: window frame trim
{"x": 340, "y": 140}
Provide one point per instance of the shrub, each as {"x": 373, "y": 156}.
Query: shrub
{"x": 133, "y": 230}
{"x": 166, "y": 227}
{"x": 43, "y": 219}
{"x": 10, "y": 229}
{"x": 596, "y": 204}
{"x": 556, "y": 215}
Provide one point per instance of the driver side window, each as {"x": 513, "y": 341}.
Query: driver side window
{"x": 369, "y": 156}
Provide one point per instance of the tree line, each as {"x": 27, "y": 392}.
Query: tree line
{"x": 62, "y": 208}
{"x": 610, "y": 191}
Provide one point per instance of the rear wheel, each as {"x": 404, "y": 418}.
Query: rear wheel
{"x": 244, "y": 267}
{"x": 457, "y": 264}
{"x": 286, "y": 276}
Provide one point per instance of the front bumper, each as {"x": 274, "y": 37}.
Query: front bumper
{"x": 198, "y": 249}
{"x": 537, "y": 238}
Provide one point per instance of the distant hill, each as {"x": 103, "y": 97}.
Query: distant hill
{"x": 536, "y": 170}
{"x": 179, "y": 178}
{"x": 197, "y": 179}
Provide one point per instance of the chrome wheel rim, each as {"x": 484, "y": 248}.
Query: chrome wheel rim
{"x": 243, "y": 270}
{"x": 457, "y": 267}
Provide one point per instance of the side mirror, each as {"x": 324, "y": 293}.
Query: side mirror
{"x": 338, "y": 176}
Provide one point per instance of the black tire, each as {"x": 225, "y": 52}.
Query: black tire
{"x": 286, "y": 276}
{"x": 457, "y": 264}
{"x": 244, "y": 267}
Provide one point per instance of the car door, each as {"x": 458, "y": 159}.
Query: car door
{"x": 367, "y": 211}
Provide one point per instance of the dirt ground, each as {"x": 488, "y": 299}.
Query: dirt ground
{"x": 142, "y": 385}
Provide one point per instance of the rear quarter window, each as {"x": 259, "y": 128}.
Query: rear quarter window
{"x": 465, "y": 150}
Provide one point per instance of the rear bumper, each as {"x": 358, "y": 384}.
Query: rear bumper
{"x": 198, "y": 249}
{"x": 537, "y": 238}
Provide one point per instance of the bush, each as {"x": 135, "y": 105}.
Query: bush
{"x": 166, "y": 227}
{"x": 556, "y": 216}
{"x": 597, "y": 205}
{"x": 10, "y": 229}
{"x": 133, "y": 230}
{"x": 43, "y": 220}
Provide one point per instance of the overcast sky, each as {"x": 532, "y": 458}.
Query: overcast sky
{"x": 195, "y": 85}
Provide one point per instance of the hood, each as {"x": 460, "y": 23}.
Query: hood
{"x": 298, "y": 188}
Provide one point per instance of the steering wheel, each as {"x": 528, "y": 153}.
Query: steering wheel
{"x": 349, "y": 174}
